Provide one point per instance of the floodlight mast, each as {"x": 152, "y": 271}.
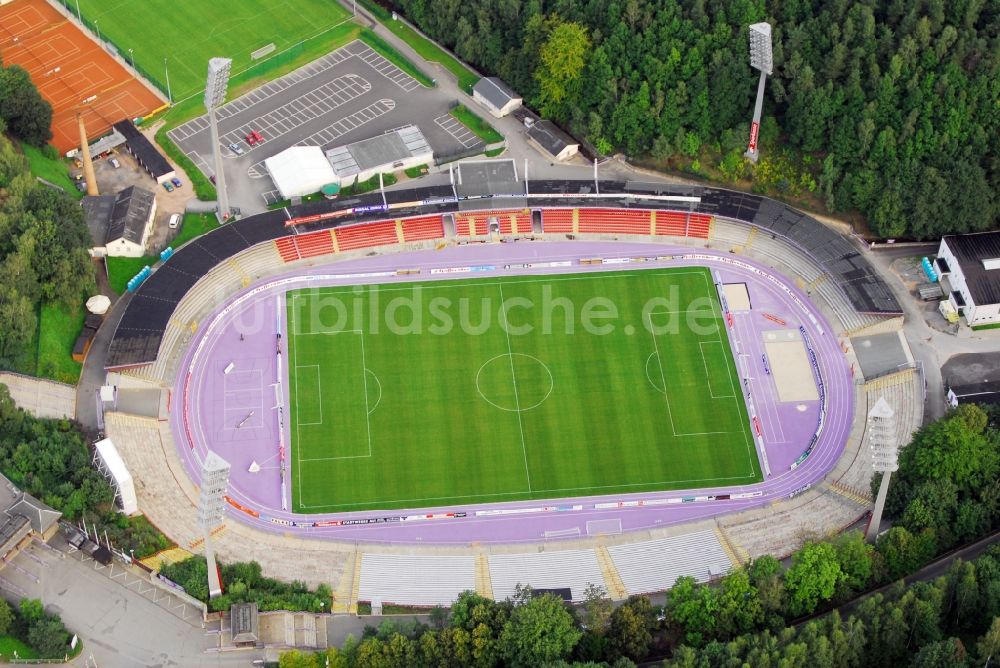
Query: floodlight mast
{"x": 215, "y": 96}
{"x": 760, "y": 59}
{"x": 884, "y": 441}
{"x": 211, "y": 511}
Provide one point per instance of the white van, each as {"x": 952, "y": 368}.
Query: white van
{"x": 175, "y": 220}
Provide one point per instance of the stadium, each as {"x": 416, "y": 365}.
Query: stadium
{"x": 482, "y": 388}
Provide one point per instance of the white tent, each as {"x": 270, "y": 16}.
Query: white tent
{"x": 112, "y": 466}
{"x": 300, "y": 170}
{"x": 98, "y": 304}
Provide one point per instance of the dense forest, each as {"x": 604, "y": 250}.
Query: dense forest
{"x": 947, "y": 491}
{"x": 887, "y": 108}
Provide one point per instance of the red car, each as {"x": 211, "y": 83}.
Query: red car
{"x": 254, "y": 138}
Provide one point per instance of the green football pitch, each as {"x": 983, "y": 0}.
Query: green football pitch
{"x": 188, "y": 33}
{"x": 503, "y": 389}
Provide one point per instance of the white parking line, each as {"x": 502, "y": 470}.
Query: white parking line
{"x": 330, "y": 133}
{"x": 462, "y": 134}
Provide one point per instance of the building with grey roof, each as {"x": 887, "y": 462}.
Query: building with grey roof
{"x": 24, "y": 516}
{"x": 969, "y": 265}
{"x": 547, "y": 136}
{"x": 496, "y": 96}
{"x": 147, "y": 155}
{"x": 390, "y": 152}
{"x": 120, "y": 224}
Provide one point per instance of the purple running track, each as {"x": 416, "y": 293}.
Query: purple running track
{"x": 242, "y": 333}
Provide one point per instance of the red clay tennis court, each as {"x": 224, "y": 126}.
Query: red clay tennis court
{"x": 71, "y": 71}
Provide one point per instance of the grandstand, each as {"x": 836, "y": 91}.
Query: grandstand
{"x": 560, "y": 569}
{"x": 655, "y": 565}
{"x": 407, "y": 579}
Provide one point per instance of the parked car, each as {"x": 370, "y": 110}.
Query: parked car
{"x": 177, "y": 182}
{"x": 168, "y": 186}
{"x": 258, "y": 137}
{"x": 175, "y": 220}
{"x": 251, "y": 140}
{"x": 115, "y": 163}
{"x": 236, "y": 148}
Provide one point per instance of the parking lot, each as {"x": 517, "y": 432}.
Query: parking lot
{"x": 350, "y": 94}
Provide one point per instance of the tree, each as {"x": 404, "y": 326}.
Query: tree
{"x": 942, "y": 654}
{"x": 538, "y": 632}
{"x": 562, "y": 59}
{"x": 296, "y": 659}
{"x": 6, "y": 617}
{"x": 27, "y": 115}
{"x": 631, "y": 629}
{"x": 812, "y": 578}
{"x": 855, "y": 558}
{"x": 693, "y": 608}
{"x": 49, "y": 637}
{"x": 740, "y": 609}
{"x": 596, "y": 610}
{"x": 989, "y": 645}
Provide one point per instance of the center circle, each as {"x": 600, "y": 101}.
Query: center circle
{"x": 514, "y": 382}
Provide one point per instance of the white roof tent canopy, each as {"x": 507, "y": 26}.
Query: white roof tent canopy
{"x": 300, "y": 170}
{"x": 113, "y": 466}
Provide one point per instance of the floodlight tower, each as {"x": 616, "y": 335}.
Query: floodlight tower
{"x": 211, "y": 511}
{"x": 215, "y": 96}
{"x": 885, "y": 448}
{"x": 760, "y": 59}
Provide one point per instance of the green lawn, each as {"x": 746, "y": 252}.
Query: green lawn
{"x": 427, "y": 49}
{"x": 58, "y": 328}
{"x": 481, "y": 128}
{"x": 55, "y": 170}
{"x": 187, "y": 34}
{"x": 122, "y": 269}
{"x": 420, "y": 394}
{"x": 193, "y": 225}
{"x": 9, "y": 644}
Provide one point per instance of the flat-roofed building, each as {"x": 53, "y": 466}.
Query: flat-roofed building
{"x": 391, "y": 152}
{"x": 969, "y": 265}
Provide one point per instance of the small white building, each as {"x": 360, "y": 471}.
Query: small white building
{"x": 496, "y": 96}
{"x": 969, "y": 266}
{"x": 120, "y": 224}
{"x": 552, "y": 141}
{"x": 391, "y": 152}
{"x": 300, "y": 170}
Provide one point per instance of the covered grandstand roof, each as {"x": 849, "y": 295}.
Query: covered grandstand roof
{"x": 137, "y": 338}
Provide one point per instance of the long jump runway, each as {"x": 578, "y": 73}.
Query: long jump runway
{"x": 242, "y": 334}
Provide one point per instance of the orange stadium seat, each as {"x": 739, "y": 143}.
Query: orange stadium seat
{"x": 367, "y": 235}
{"x": 423, "y": 228}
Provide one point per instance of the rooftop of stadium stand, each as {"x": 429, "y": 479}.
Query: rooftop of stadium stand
{"x": 137, "y": 339}
{"x": 487, "y": 177}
